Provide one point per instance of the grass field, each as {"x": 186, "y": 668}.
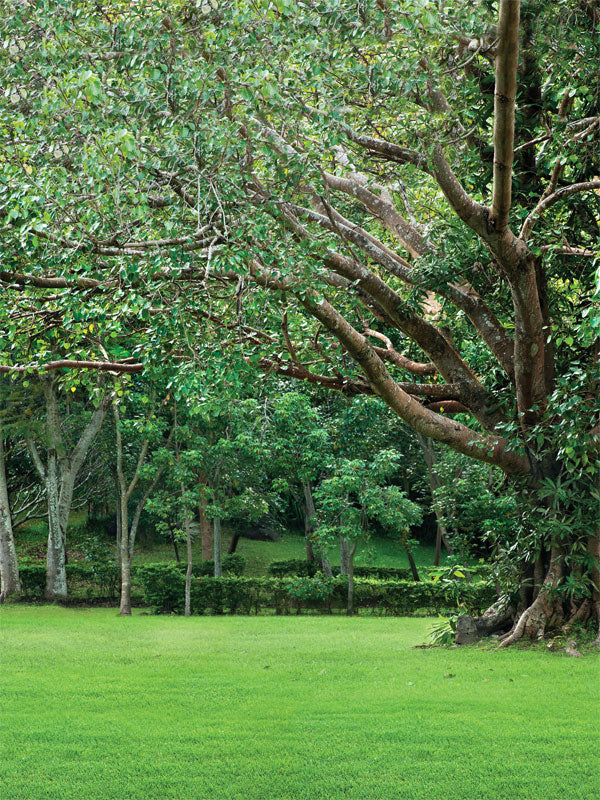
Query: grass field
{"x": 97, "y": 707}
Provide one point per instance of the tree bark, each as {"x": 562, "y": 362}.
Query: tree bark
{"x": 545, "y": 612}
{"x": 188, "y": 572}
{"x": 434, "y": 483}
{"x": 351, "y": 549}
{"x": 309, "y": 516}
{"x": 344, "y": 553}
{"x": 205, "y": 528}
{"x": 217, "y": 547}
{"x": 56, "y": 573}
{"x": 411, "y": 561}
{"x": 10, "y": 585}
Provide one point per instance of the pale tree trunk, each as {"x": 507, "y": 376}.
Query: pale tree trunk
{"x": 434, "y": 483}
{"x": 309, "y": 516}
{"x": 188, "y": 572}
{"x": 350, "y": 550}
{"x": 59, "y": 476}
{"x": 594, "y": 551}
{"x": 10, "y": 585}
{"x": 119, "y": 523}
{"x": 217, "y": 547}
{"x": 56, "y": 572}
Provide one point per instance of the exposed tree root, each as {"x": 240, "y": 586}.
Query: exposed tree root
{"x": 545, "y": 613}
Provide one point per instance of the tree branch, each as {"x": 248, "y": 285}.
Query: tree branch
{"x": 505, "y": 93}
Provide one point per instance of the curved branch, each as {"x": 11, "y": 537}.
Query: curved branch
{"x": 553, "y": 198}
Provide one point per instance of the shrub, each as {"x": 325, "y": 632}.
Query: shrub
{"x": 302, "y": 568}
{"x": 33, "y": 579}
{"x": 163, "y": 586}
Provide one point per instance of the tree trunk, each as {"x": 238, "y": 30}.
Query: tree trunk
{"x": 350, "y": 550}
{"x": 545, "y": 613}
{"x": 411, "y": 561}
{"x": 217, "y": 547}
{"x": 119, "y": 526}
{"x": 205, "y": 530}
{"x": 309, "y": 515}
{"x": 125, "y": 604}
{"x": 188, "y": 572}
{"x": 56, "y": 573}
{"x": 434, "y": 483}
{"x": 343, "y": 556}
{"x": 10, "y": 585}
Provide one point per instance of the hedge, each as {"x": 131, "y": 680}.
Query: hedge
{"x": 303, "y": 568}
{"x": 308, "y": 569}
{"x": 163, "y": 586}
{"x": 104, "y": 579}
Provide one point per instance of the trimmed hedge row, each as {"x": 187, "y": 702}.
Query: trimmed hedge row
{"x": 104, "y": 580}
{"x": 303, "y": 568}
{"x": 308, "y": 569}
{"x": 164, "y": 585}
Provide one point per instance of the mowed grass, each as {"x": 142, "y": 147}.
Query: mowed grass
{"x": 97, "y": 707}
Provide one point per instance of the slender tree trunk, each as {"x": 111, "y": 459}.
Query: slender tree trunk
{"x": 411, "y": 561}
{"x": 10, "y": 585}
{"x": 119, "y": 522}
{"x": 233, "y": 543}
{"x": 217, "y": 547}
{"x": 205, "y": 529}
{"x": 350, "y": 550}
{"x": 175, "y": 548}
{"x": 125, "y": 603}
{"x": 56, "y": 573}
{"x": 188, "y": 572}
{"x": 343, "y": 556}
{"x": 434, "y": 483}
{"x": 309, "y": 515}
{"x": 309, "y": 509}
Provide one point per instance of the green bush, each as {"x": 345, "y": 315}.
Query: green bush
{"x": 308, "y": 569}
{"x": 98, "y": 576}
{"x": 233, "y": 565}
{"x": 33, "y": 579}
{"x": 163, "y": 586}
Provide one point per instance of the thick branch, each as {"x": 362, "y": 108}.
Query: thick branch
{"x": 100, "y": 366}
{"x": 505, "y": 94}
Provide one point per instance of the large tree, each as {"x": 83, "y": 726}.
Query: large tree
{"x": 412, "y": 184}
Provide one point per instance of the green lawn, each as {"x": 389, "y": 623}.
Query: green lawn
{"x": 97, "y": 707}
